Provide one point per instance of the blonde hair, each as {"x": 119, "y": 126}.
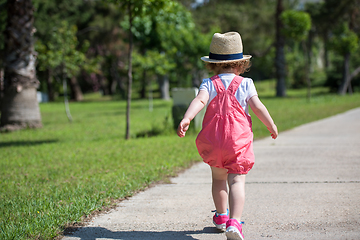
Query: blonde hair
{"x": 242, "y": 66}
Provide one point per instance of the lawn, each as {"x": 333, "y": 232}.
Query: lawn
{"x": 52, "y": 177}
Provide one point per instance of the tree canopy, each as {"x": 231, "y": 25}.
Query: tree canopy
{"x": 171, "y": 36}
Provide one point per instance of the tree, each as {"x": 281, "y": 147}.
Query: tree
{"x": 61, "y": 56}
{"x": 338, "y": 23}
{"x": 169, "y": 47}
{"x": 183, "y": 43}
{"x": 3, "y": 16}
{"x": 97, "y": 23}
{"x": 20, "y": 108}
{"x": 345, "y": 42}
{"x": 107, "y": 39}
{"x": 134, "y": 8}
{"x": 252, "y": 19}
{"x": 296, "y": 26}
{"x": 49, "y": 21}
{"x": 280, "y": 55}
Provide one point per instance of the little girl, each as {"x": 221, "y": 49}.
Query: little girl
{"x": 225, "y": 141}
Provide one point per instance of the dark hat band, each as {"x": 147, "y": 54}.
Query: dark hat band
{"x": 234, "y": 56}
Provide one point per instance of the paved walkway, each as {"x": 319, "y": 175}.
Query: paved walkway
{"x": 304, "y": 185}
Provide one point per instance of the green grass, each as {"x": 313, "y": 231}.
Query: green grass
{"x": 296, "y": 109}
{"x": 53, "y": 176}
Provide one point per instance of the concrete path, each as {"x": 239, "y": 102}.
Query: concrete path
{"x": 304, "y": 185}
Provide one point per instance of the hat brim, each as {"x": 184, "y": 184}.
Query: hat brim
{"x": 207, "y": 59}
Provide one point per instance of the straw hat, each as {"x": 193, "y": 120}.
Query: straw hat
{"x": 226, "y": 47}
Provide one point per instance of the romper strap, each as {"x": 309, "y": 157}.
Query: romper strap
{"x": 219, "y": 86}
{"x": 234, "y": 85}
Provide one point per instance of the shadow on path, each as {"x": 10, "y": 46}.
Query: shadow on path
{"x": 100, "y": 232}
{"x": 26, "y": 143}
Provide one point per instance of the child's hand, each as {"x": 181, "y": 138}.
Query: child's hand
{"x": 183, "y": 127}
{"x": 273, "y": 131}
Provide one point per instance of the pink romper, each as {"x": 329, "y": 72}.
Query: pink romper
{"x": 225, "y": 140}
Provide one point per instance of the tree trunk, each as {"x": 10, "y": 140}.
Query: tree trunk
{"x": 346, "y": 76}
{"x": 1, "y": 84}
{"x": 113, "y": 78}
{"x": 352, "y": 75}
{"x": 128, "y": 104}
{"x": 20, "y": 108}
{"x": 117, "y": 80}
{"x": 280, "y": 55}
{"x": 164, "y": 87}
{"x": 113, "y": 86}
{"x": 326, "y": 51}
{"x": 151, "y": 98}
{"x": 76, "y": 93}
{"x": 346, "y": 83}
{"x": 307, "y": 49}
{"x": 196, "y": 78}
{"x": 50, "y": 87}
{"x": 122, "y": 87}
{"x": 103, "y": 84}
{"x": 142, "y": 91}
{"x": 66, "y": 102}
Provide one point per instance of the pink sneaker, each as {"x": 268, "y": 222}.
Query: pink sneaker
{"x": 220, "y": 220}
{"x": 234, "y": 230}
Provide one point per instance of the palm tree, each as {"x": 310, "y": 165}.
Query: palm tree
{"x": 20, "y": 108}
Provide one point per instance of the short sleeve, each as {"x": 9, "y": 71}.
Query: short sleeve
{"x": 251, "y": 89}
{"x": 205, "y": 85}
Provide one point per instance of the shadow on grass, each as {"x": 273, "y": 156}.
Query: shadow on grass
{"x": 93, "y": 233}
{"x": 26, "y": 143}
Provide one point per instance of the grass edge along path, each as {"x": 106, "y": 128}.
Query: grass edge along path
{"x": 53, "y": 177}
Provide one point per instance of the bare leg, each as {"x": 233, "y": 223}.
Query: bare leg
{"x": 236, "y": 195}
{"x": 219, "y": 189}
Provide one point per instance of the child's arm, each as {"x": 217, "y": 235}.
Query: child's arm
{"x": 195, "y": 106}
{"x": 262, "y": 113}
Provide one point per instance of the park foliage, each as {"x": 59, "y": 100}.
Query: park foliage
{"x": 170, "y": 37}
{"x": 53, "y": 177}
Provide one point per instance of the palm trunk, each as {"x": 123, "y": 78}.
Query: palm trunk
{"x": 20, "y": 108}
